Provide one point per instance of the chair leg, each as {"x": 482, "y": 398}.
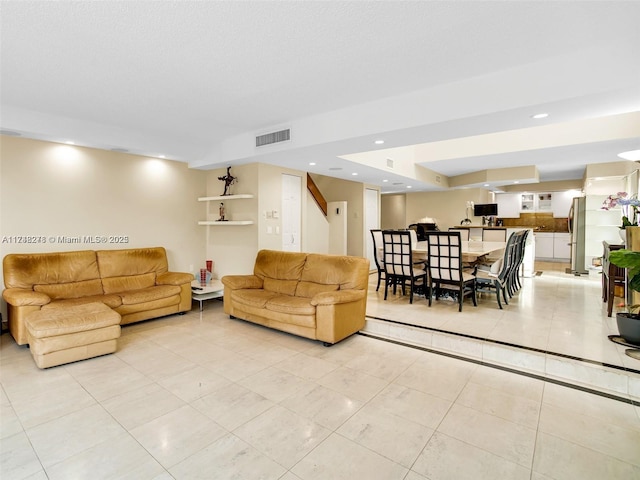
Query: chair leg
{"x": 611, "y": 290}
{"x": 498, "y": 289}
{"x": 411, "y": 287}
{"x": 379, "y": 278}
{"x": 386, "y": 286}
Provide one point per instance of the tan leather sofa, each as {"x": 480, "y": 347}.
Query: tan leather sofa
{"x": 322, "y": 297}
{"x": 136, "y": 283}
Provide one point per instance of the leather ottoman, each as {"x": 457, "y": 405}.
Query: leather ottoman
{"x": 67, "y": 334}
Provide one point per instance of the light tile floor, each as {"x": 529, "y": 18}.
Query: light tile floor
{"x": 201, "y": 396}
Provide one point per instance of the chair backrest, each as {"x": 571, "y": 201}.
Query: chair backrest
{"x": 414, "y": 238}
{"x": 444, "y": 256}
{"x": 494, "y": 234}
{"x": 520, "y": 247}
{"x": 464, "y": 233}
{"x": 377, "y": 246}
{"x": 510, "y": 258}
{"x": 398, "y": 255}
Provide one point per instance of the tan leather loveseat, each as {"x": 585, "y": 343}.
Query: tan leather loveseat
{"x": 136, "y": 283}
{"x": 322, "y": 297}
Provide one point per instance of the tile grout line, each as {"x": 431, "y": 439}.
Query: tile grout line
{"x": 507, "y": 344}
{"x": 506, "y": 369}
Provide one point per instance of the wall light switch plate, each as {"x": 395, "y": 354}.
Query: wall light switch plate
{"x": 269, "y": 230}
{"x": 276, "y": 214}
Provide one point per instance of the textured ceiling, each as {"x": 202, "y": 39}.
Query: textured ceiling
{"x": 197, "y": 80}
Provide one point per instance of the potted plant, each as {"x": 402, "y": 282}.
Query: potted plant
{"x": 629, "y": 321}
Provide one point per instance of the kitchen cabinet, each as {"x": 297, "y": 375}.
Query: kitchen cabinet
{"x": 544, "y": 246}
{"x": 554, "y": 246}
{"x": 562, "y": 246}
{"x": 508, "y": 205}
{"x": 561, "y": 203}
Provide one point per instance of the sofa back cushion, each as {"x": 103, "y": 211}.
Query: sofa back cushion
{"x": 59, "y": 275}
{"x": 309, "y": 289}
{"x": 280, "y": 271}
{"x": 345, "y": 271}
{"x": 131, "y": 269}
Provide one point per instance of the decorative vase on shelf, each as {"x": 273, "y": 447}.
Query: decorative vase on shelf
{"x": 623, "y": 234}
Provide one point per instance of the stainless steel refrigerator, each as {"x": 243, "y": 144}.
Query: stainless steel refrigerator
{"x": 577, "y": 217}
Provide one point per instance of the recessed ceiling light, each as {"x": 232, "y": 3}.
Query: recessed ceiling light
{"x": 486, "y": 184}
{"x": 379, "y": 142}
{"x": 354, "y": 174}
{"x": 385, "y": 180}
{"x": 516, "y": 181}
{"x": 633, "y": 155}
{"x": 162, "y": 156}
{"x": 409, "y": 186}
{"x": 69, "y": 142}
{"x": 312, "y": 163}
{"x": 540, "y": 115}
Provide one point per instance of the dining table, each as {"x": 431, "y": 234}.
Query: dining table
{"x": 471, "y": 250}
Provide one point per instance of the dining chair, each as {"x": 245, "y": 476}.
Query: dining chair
{"x": 513, "y": 283}
{"x": 464, "y": 233}
{"x": 399, "y": 263}
{"x": 444, "y": 258}
{"x": 494, "y": 234}
{"x": 376, "y": 234}
{"x": 494, "y": 278}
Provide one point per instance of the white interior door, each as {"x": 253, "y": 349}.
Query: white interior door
{"x": 291, "y": 212}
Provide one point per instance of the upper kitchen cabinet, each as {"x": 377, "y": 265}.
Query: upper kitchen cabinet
{"x": 561, "y": 202}
{"x": 511, "y": 205}
{"x": 508, "y": 205}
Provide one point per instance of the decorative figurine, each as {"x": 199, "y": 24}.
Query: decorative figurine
{"x": 228, "y": 180}
{"x": 222, "y": 213}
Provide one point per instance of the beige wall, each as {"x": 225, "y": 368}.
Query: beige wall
{"x": 52, "y": 190}
{"x": 393, "y": 211}
{"x": 336, "y": 190}
{"x": 447, "y": 208}
{"x": 234, "y": 248}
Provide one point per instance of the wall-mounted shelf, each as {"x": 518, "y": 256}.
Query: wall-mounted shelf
{"x": 225, "y": 197}
{"x": 226, "y": 223}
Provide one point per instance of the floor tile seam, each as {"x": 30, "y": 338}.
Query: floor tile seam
{"x": 489, "y": 452}
{"x": 33, "y": 448}
{"x": 591, "y": 449}
{"x": 543, "y": 378}
{"x": 85, "y": 449}
{"x": 508, "y": 344}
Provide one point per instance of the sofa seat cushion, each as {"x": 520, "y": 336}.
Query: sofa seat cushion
{"x": 111, "y": 301}
{"x": 291, "y": 304}
{"x": 148, "y": 294}
{"x": 73, "y": 319}
{"x": 252, "y": 297}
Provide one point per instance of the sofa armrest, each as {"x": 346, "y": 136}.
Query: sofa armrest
{"x": 237, "y": 282}
{"x": 339, "y": 296}
{"x": 19, "y": 297}
{"x": 174, "y": 278}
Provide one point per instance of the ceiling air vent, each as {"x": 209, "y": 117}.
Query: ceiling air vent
{"x": 274, "y": 137}
{"x": 389, "y": 163}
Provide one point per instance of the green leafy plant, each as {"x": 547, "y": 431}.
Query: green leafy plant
{"x": 631, "y": 261}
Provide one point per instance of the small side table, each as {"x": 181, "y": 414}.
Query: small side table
{"x": 200, "y": 293}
